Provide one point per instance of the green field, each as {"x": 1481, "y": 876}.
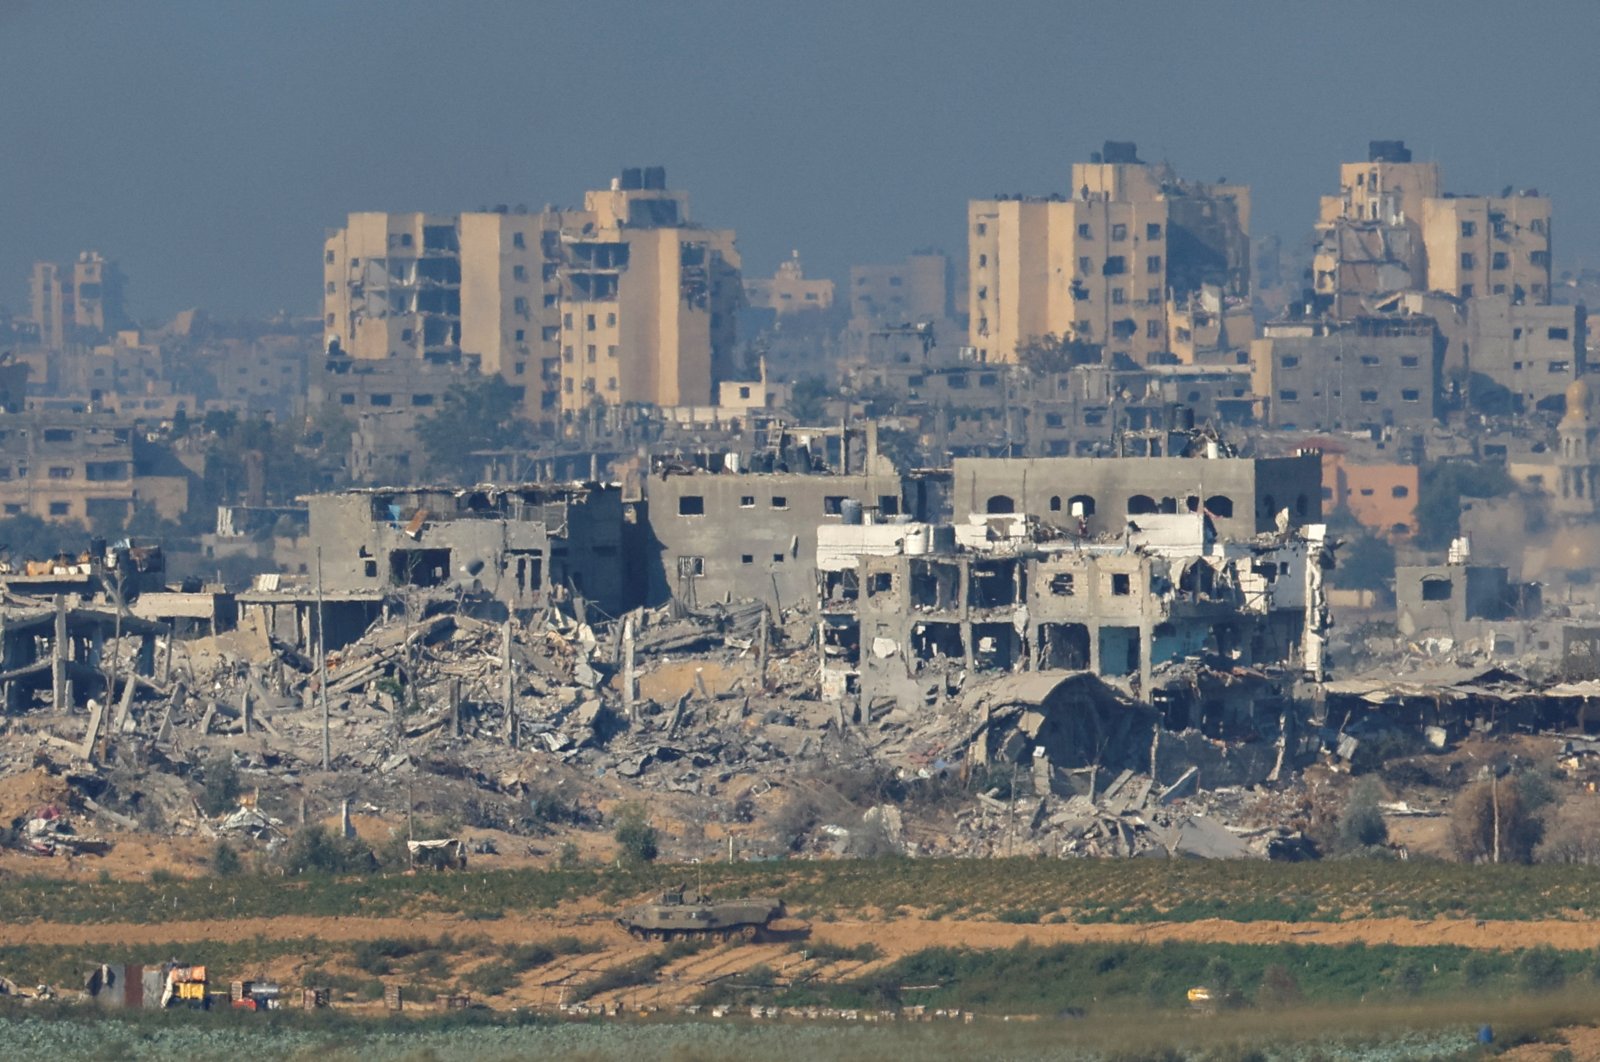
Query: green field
{"x": 1012, "y": 889}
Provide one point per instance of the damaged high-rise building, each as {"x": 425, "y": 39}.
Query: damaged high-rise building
{"x": 1101, "y": 263}
{"x": 624, "y": 300}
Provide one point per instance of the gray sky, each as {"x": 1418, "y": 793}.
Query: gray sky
{"x": 208, "y": 145}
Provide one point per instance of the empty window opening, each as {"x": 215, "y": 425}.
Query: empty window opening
{"x": 691, "y": 505}
{"x": 1437, "y": 590}
{"x": 1000, "y": 503}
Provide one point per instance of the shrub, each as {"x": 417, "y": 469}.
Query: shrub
{"x": 225, "y": 861}
{"x": 220, "y": 792}
{"x": 1541, "y": 969}
{"x": 1472, "y": 824}
{"x": 570, "y": 858}
{"x": 491, "y": 979}
{"x": 313, "y": 850}
{"x": 1361, "y": 825}
{"x": 637, "y": 840}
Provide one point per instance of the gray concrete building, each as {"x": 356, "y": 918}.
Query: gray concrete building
{"x": 1093, "y": 496}
{"x": 526, "y": 546}
{"x": 1373, "y": 373}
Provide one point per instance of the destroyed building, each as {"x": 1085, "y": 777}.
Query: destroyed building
{"x": 1242, "y": 496}
{"x": 735, "y": 527}
{"x": 526, "y": 547}
{"x": 909, "y": 610}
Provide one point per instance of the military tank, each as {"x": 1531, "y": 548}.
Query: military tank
{"x": 683, "y": 914}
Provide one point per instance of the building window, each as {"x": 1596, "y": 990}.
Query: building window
{"x": 1369, "y": 396}
{"x": 1152, "y": 264}
{"x": 422, "y": 400}
{"x": 1499, "y": 260}
{"x": 983, "y": 261}
{"x": 1467, "y": 260}
{"x": 519, "y": 272}
{"x": 611, "y": 320}
{"x": 1557, "y": 333}
{"x": 611, "y": 350}
{"x": 1289, "y": 361}
{"x": 1116, "y": 265}
{"x": 747, "y": 501}
{"x": 405, "y": 239}
{"x": 1084, "y": 265}
{"x": 566, "y": 353}
{"x": 1469, "y": 229}
{"x": 777, "y": 558}
{"x": 60, "y": 472}
{"x": 1084, "y": 233}
{"x": 566, "y": 320}
{"x": 1118, "y": 296}
{"x": 60, "y": 508}
{"x": 1152, "y": 329}
{"x": 780, "y": 502}
{"x": 1466, "y": 291}
{"x": 380, "y": 400}
{"x": 1288, "y": 396}
{"x": 1152, "y": 231}
{"x": 519, "y": 305}
{"x": 328, "y": 258}
{"x": 591, "y": 353}
{"x": 1121, "y": 584}
{"x": 1409, "y": 361}
{"x": 1411, "y": 394}
{"x": 1560, "y": 366}
{"x": 1119, "y": 232}
{"x": 691, "y": 567}
{"x": 522, "y": 335}
{"x": 691, "y": 505}
{"x": 832, "y": 505}
{"x": 1399, "y": 491}
{"x": 983, "y": 229}
{"x": 518, "y": 242}
{"x": 347, "y": 399}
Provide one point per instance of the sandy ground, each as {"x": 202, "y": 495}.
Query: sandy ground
{"x": 894, "y": 937}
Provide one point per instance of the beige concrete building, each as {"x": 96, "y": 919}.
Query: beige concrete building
{"x": 82, "y": 302}
{"x": 622, "y": 301}
{"x": 392, "y": 287}
{"x": 648, "y": 300}
{"x": 917, "y": 289}
{"x": 81, "y": 467}
{"x": 1392, "y": 228}
{"x": 789, "y": 290}
{"x": 1481, "y": 245}
{"x": 1097, "y": 265}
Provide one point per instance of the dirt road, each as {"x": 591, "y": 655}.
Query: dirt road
{"x": 895, "y": 936}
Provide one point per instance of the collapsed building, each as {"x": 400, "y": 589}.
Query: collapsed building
{"x": 908, "y": 610}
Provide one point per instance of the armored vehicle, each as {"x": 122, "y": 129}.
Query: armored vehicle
{"x": 681, "y": 914}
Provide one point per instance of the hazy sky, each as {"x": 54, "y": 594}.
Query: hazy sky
{"x": 207, "y": 146}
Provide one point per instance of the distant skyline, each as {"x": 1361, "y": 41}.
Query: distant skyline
{"x": 207, "y": 146}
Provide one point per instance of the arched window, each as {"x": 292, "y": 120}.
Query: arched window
{"x": 1080, "y": 505}
{"x": 1169, "y": 505}
{"x": 1001, "y": 503}
{"x": 1055, "y": 503}
{"x": 1220, "y": 506}
{"x": 1140, "y": 504}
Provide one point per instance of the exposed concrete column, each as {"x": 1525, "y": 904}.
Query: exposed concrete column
{"x": 60, "y": 698}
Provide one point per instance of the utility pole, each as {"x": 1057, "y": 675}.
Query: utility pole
{"x": 1494, "y": 794}
{"x": 322, "y": 669}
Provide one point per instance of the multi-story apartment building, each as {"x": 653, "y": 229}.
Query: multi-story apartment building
{"x": 81, "y": 467}
{"x": 648, "y": 300}
{"x": 1489, "y": 245}
{"x": 1372, "y": 373}
{"x": 622, "y": 301}
{"x": 1392, "y": 228}
{"x": 76, "y": 303}
{"x": 917, "y": 289}
{"x": 1098, "y": 265}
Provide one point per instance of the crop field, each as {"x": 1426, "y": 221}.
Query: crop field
{"x": 1017, "y": 890}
